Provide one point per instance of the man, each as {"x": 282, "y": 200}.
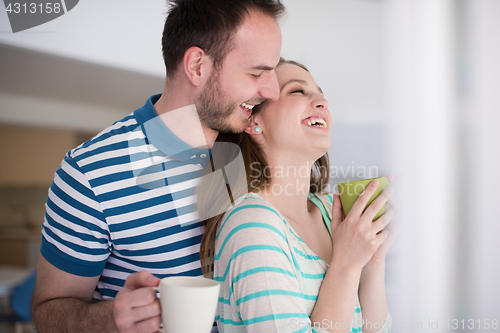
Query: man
{"x": 120, "y": 212}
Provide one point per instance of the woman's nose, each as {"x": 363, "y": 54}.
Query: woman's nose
{"x": 320, "y": 102}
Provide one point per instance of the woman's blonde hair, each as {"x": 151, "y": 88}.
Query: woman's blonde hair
{"x": 211, "y": 196}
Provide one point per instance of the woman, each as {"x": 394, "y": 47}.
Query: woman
{"x": 286, "y": 259}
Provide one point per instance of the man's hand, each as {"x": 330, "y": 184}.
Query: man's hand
{"x": 62, "y": 302}
{"x": 136, "y": 307}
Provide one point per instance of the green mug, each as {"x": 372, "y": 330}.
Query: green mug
{"x": 349, "y": 192}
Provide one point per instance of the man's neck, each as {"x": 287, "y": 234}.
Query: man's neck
{"x": 179, "y": 114}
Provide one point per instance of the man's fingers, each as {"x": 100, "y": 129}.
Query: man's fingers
{"x": 140, "y": 280}
{"x": 133, "y": 308}
{"x": 148, "y": 311}
{"x": 140, "y": 297}
{"x": 148, "y": 325}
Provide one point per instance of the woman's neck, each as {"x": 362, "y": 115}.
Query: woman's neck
{"x": 289, "y": 187}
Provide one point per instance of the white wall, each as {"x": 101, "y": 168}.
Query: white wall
{"x": 422, "y": 102}
{"x": 342, "y": 43}
{"x": 482, "y": 117}
{"x": 124, "y": 34}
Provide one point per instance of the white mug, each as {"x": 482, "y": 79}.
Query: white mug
{"x": 188, "y": 304}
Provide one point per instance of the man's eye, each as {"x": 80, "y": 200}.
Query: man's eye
{"x": 256, "y": 75}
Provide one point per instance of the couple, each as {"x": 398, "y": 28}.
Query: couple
{"x": 119, "y": 214}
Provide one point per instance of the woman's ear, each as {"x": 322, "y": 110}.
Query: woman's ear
{"x": 196, "y": 65}
{"x": 254, "y": 128}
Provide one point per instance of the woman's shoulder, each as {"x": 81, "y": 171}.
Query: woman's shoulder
{"x": 251, "y": 208}
{"x": 253, "y": 204}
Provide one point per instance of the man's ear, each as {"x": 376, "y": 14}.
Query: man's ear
{"x": 197, "y": 65}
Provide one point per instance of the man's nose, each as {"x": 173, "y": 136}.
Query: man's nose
{"x": 270, "y": 87}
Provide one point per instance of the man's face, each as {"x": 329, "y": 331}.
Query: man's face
{"x": 246, "y": 77}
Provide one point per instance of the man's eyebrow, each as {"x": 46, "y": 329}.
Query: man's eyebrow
{"x": 300, "y": 81}
{"x": 262, "y": 68}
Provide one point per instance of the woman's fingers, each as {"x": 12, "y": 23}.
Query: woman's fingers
{"x": 336, "y": 211}
{"x": 390, "y": 178}
{"x": 384, "y": 220}
{"x": 388, "y": 237}
{"x": 360, "y": 204}
{"x": 382, "y": 237}
{"x": 379, "y": 202}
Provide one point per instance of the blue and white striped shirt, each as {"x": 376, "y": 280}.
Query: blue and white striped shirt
{"x": 124, "y": 201}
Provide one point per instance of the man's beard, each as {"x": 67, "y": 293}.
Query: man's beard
{"x": 215, "y": 109}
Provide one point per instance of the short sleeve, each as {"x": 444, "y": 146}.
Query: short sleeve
{"x": 386, "y": 327}
{"x": 324, "y": 202}
{"x": 75, "y": 236}
{"x": 260, "y": 290}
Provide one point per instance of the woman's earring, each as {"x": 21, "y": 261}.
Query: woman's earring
{"x": 257, "y": 129}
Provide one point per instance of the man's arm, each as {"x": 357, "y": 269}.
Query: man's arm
{"x": 62, "y": 302}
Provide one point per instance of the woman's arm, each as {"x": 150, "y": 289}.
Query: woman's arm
{"x": 355, "y": 240}
{"x": 372, "y": 294}
{"x": 336, "y": 302}
{"x": 373, "y": 298}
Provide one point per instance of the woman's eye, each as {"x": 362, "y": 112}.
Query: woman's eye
{"x": 300, "y": 91}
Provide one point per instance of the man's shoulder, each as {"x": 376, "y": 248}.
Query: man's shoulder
{"x": 118, "y": 141}
{"x": 108, "y": 139}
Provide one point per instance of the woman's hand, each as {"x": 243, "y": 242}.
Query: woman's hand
{"x": 356, "y": 238}
{"x": 378, "y": 257}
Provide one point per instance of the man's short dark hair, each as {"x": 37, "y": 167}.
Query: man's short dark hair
{"x": 208, "y": 24}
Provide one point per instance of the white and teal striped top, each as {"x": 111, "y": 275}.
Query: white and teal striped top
{"x": 125, "y": 201}
{"x": 270, "y": 279}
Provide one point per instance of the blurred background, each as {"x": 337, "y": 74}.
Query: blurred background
{"x": 414, "y": 90}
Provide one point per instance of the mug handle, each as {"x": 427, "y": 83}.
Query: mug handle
{"x": 158, "y": 290}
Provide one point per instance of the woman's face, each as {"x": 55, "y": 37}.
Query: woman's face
{"x": 299, "y": 121}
